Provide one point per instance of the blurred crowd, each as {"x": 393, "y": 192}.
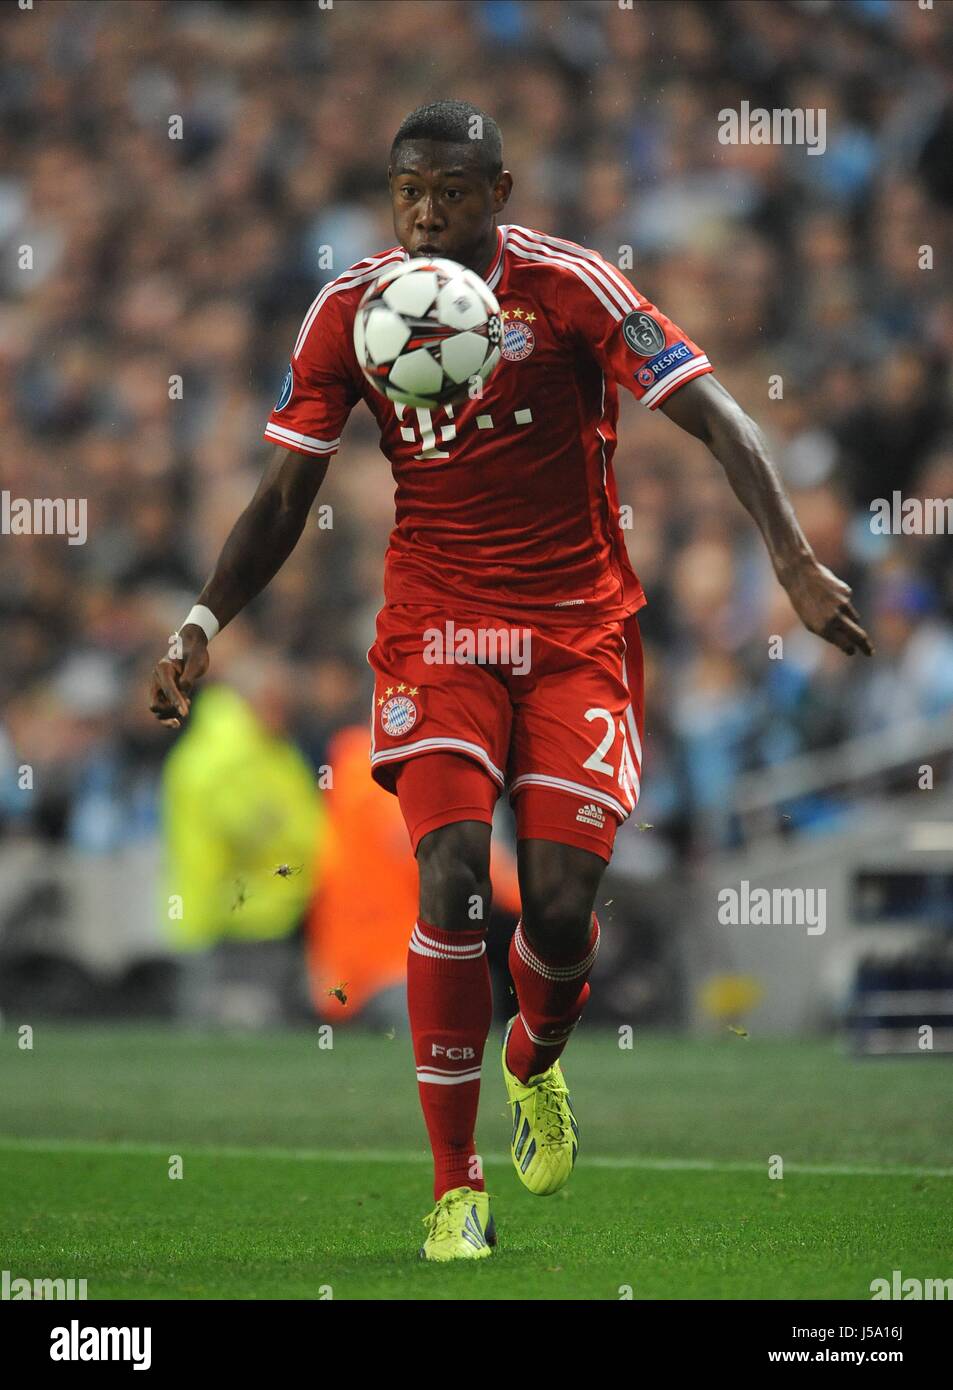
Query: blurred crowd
{"x": 156, "y": 259}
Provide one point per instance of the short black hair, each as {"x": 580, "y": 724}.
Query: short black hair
{"x": 456, "y": 122}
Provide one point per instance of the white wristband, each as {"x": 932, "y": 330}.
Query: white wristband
{"x": 205, "y": 619}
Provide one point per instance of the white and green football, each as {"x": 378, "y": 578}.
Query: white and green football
{"x": 426, "y": 331}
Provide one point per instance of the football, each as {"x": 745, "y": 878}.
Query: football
{"x": 426, "y": 330}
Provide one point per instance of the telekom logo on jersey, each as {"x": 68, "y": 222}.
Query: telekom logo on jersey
{"x": 448, "y": 431}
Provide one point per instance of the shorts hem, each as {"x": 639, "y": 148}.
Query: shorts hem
{"x": 533, "y": 781}
{"x": 386, "y": 764}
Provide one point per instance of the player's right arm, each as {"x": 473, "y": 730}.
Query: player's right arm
{"x": 320, "y": 389}
{"x": 258, "y": 545}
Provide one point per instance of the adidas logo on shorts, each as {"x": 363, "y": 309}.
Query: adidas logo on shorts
{"x": 591, "y": 814}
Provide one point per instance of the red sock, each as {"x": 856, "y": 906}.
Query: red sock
{"x": 552, "y": 994}
{"x": 450, "y": 1005}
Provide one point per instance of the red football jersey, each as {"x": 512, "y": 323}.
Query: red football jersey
{"x": 506, "y": 504}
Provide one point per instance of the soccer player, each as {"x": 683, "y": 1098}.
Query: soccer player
{"x": 507, "y": 651}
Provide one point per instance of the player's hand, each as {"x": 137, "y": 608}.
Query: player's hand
{"x": 173, "y": 679}
{"x": 822, "y": 602}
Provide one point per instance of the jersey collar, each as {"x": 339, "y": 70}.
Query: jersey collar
{"x": 495, "y": 269}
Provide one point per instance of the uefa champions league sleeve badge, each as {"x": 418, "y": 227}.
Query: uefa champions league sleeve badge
{"x": 287, "y": 386}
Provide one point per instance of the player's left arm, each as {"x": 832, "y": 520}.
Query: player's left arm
{"x": 822, "y": 601}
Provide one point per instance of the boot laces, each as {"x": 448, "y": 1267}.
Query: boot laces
{"x": 552, "y": 1119}
{"x": 445, "y": 1217}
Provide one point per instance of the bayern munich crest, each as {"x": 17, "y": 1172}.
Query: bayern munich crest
{"x": 398, "y": 716}
{"x": 518, "y": 340}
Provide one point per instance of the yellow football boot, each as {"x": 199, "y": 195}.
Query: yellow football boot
{"x": 545, "y": 1137}
{"x": 460, "y": 1227}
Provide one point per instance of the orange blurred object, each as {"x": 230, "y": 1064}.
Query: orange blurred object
{"x": 365, "y": 903}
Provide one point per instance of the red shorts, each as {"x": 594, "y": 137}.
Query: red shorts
{"x": 552, "y": 712}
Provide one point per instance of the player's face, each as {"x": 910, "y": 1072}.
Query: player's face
{"x": 443, "y": 204}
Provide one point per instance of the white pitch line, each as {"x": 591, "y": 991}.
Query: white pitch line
{"x": 661, "y": 1165}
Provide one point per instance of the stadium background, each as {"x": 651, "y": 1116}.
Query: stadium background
{"x": 157, "y": 258}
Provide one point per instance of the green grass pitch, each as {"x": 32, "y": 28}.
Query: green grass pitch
{"x": 305, "y": 1169}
